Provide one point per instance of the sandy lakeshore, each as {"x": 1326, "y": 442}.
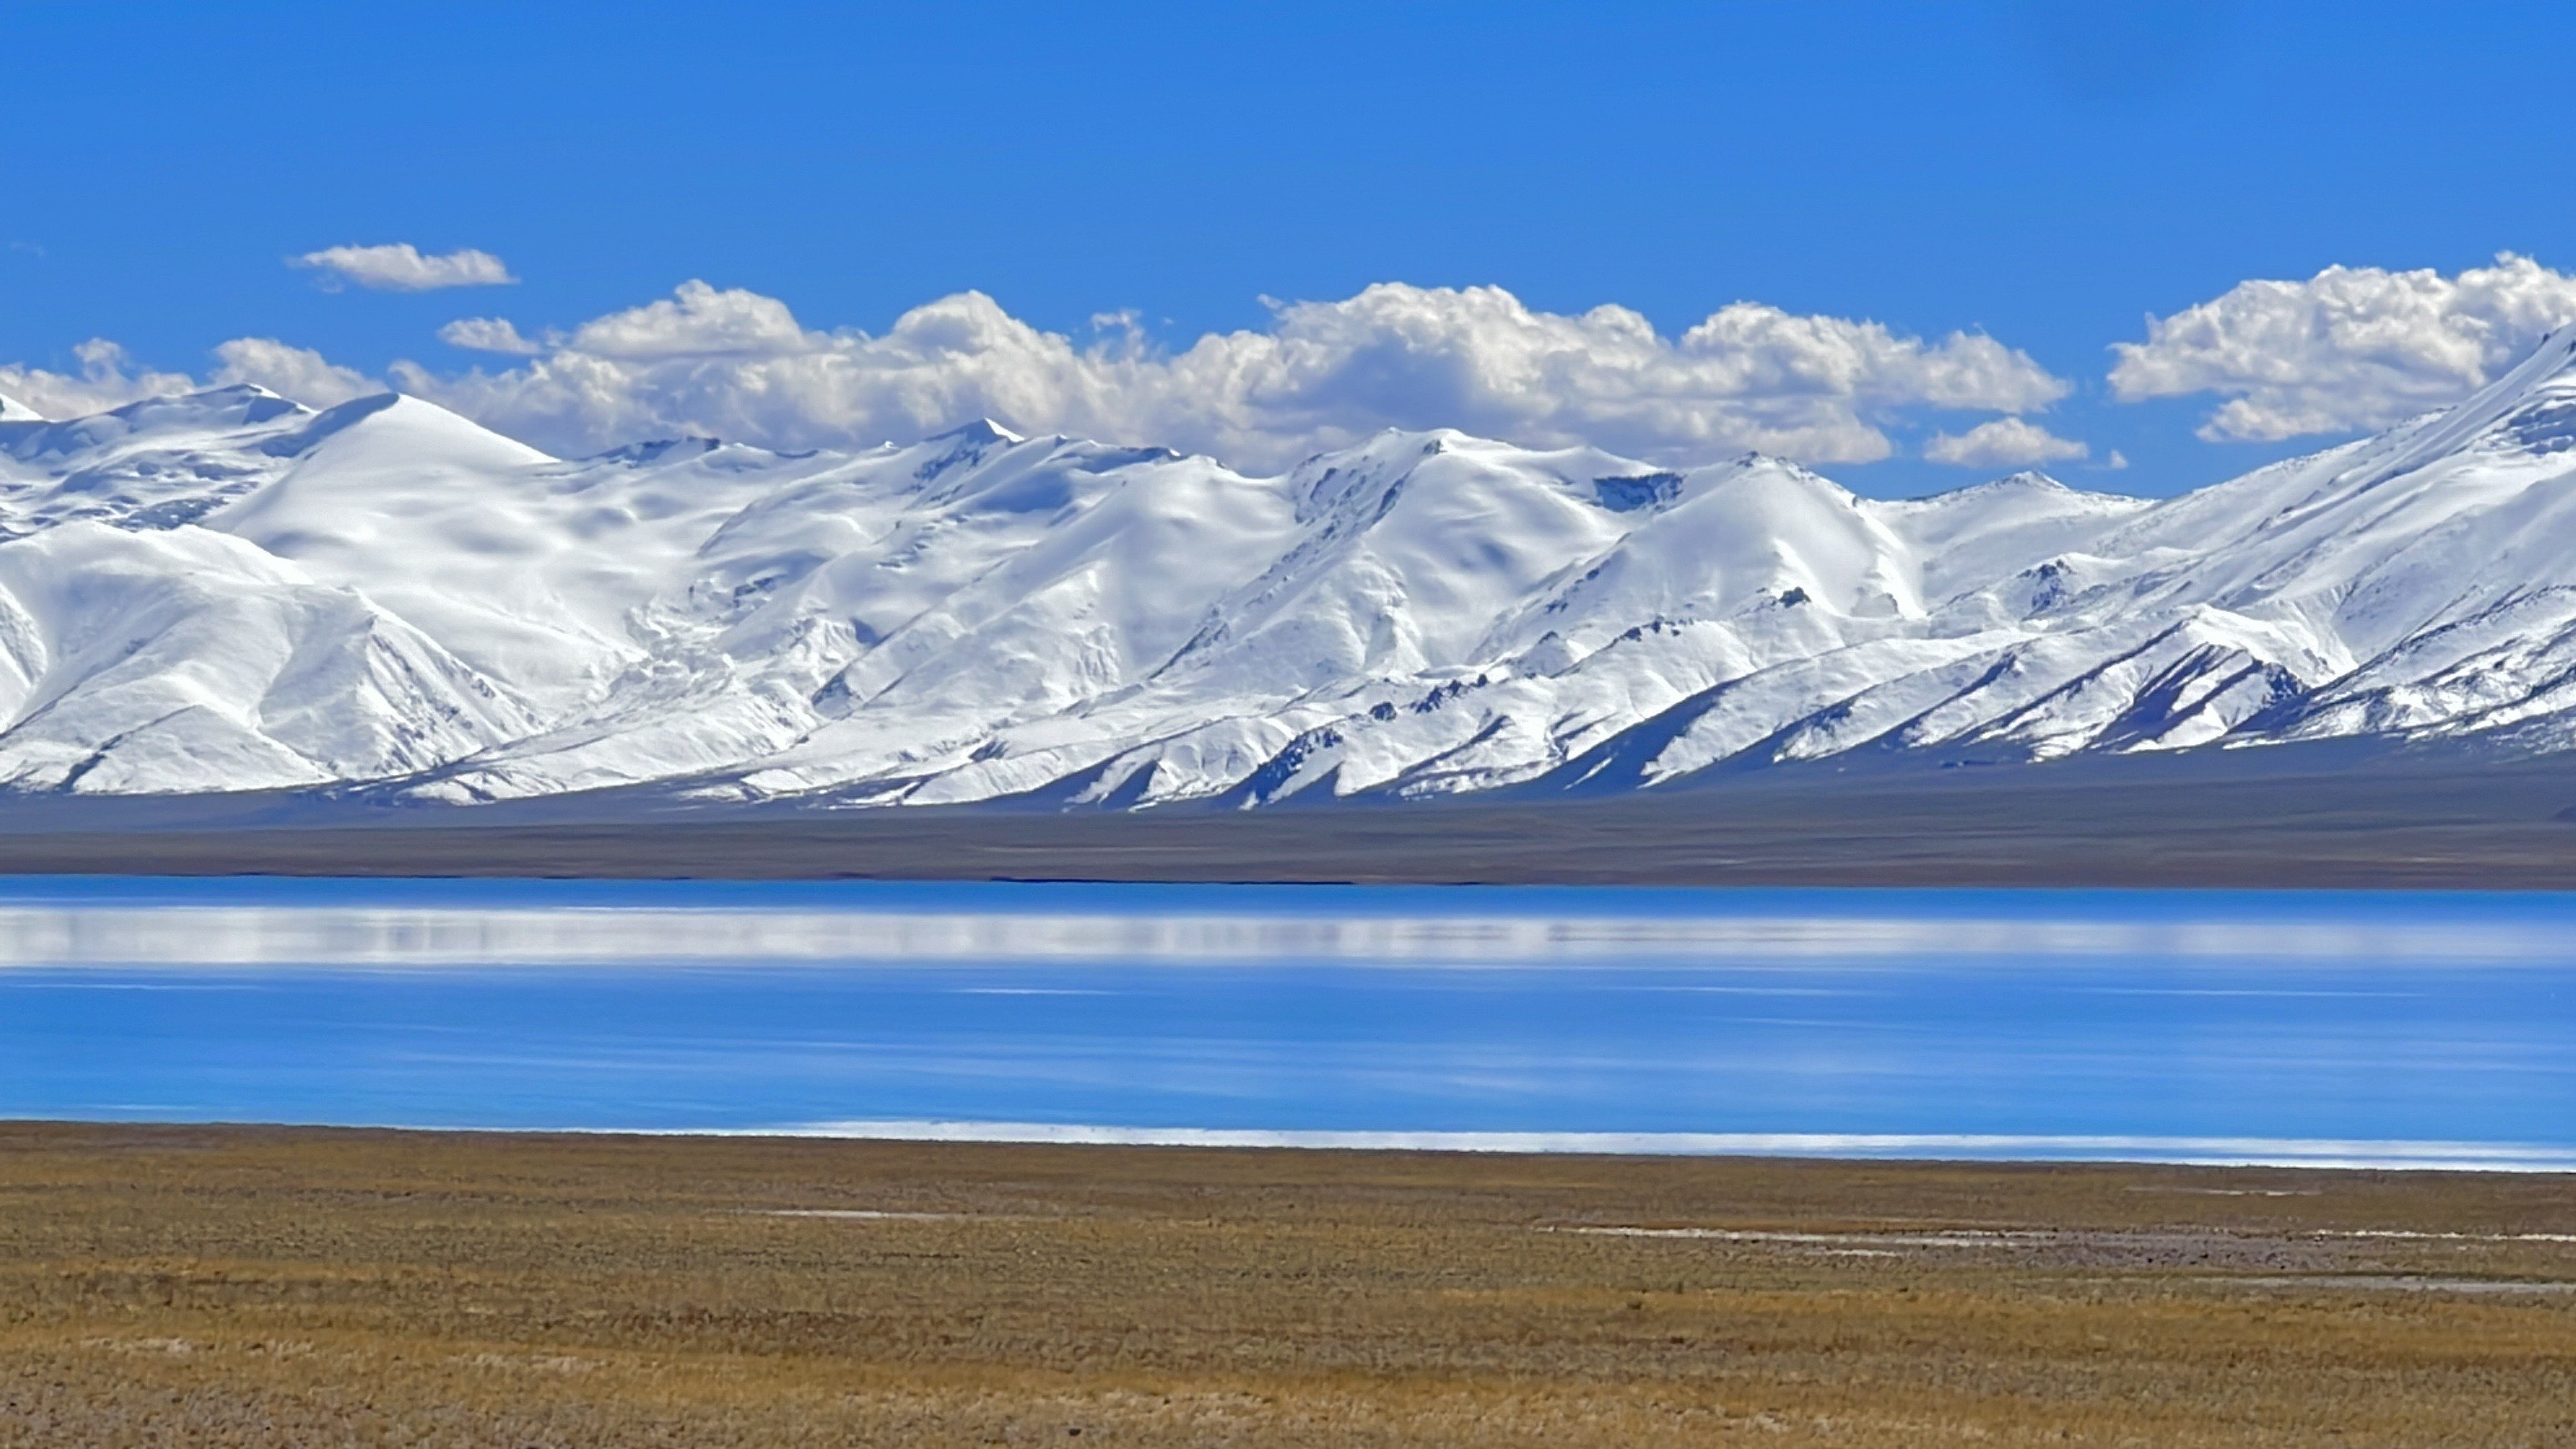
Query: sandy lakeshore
{"x": 244, "y": 1285}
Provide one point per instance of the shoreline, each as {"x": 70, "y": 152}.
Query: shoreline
{"x": 1902, "y": 1150}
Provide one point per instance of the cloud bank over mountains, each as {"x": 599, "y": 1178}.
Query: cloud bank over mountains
{"x": 1324, "y": 374}
{"x": 109, "y": 377}
{"x": 2348, "y": 349}
{"x": 739, "y": 365}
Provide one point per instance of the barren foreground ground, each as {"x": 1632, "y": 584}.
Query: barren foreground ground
{"x": 206, "y": 1286}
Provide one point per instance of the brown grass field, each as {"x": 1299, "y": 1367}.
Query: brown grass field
{"x": 269, "y": 1286}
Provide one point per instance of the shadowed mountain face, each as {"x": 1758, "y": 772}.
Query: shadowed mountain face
{"x": 226, "y": 591}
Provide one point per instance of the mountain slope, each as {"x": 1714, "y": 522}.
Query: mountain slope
{"x": 228, "y": 591}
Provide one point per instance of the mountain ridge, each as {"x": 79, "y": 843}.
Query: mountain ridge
{"x": 225, "y": 591}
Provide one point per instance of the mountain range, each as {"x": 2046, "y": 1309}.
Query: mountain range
{"x": 226, "y": 591}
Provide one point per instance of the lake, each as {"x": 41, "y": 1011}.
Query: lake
{"x": 2392, "y": 1028}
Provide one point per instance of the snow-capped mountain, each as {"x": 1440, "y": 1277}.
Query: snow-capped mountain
{"x": 227, "y": 591}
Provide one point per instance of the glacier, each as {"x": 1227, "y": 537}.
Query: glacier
{"x": 226, "y": 591}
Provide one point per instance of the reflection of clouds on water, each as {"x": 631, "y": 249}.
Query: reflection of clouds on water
{"x": 2234, "y": 991}
{"x": 55, "y": 935}
{"x": 174, "y": 984}
{"x": 1749, "y": 990}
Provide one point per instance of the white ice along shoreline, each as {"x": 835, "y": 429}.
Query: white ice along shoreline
{"x": 227, "y": 591}
{"x": 2178, "y": 1151}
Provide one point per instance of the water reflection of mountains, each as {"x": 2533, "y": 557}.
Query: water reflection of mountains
{"x": 2010, "y": 927}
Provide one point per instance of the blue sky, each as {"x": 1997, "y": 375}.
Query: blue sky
{"x": 2049, "y": 176}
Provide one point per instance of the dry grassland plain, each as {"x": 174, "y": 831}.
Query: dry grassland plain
{"x": 266, "y": 1286}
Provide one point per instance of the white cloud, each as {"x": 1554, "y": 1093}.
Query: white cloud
{"x": 488, "y": 334}
{"x": 2350, "y": 348}
{"x": 296, "y": 372}
{"x": 739, "y": 365}
{"x": 2003, "y": 443}
{"x": 698, "y": 321}
{"x": 108, "y": 378}
{"x": 401, "y": 267}
{"x": 1323, "y": 374}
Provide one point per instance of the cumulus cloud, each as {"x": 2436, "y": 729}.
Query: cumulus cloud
{"x": 296, "y": 372}
{"x": 1322, "y": 374}
{"x": 110, "y": 378}
{"x": 2003, "y": 443}
{"x": 402, "y": 267}
{"x": 740, "y": 365}
{"x": 2350, "y": 348}
{"x": 488, "y": 334}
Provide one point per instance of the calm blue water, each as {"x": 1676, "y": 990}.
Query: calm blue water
{"x": 2190, "y": 1026}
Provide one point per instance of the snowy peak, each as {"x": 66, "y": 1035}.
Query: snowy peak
{"x": 2028, "y": 483}
{"x": 156, "y": 464}
{"x": 657, "y": 450}
{"x": 2535, "y": 405}
{"x": 1969, "y": 538}
{"x": 227, "y": 416}
{"x": 2020, "y": 495}
{"x": 391, "y": 422}
{"x": 14, "y": 411}
{"x": 980, "y": 433}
